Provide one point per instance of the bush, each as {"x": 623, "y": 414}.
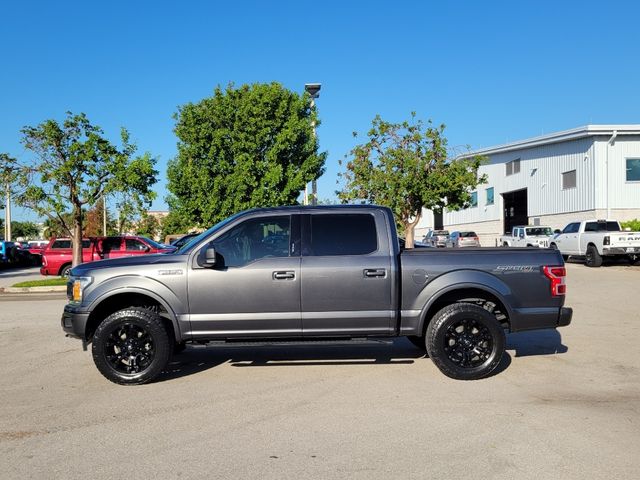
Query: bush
{"x": 634, "y": 225}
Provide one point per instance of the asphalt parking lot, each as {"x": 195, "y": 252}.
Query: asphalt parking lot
{"x": 565, "y": 404}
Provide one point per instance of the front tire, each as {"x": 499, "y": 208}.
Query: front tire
{"x": 131, "y": 346}
{"x": 417, "y": 341}
{"x": 593, "y": 258}
{"x": 465, "y": 341}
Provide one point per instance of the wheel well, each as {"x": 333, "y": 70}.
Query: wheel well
{"x": 62, "y": 267}
{"x": 476, "y": 296}
{"x": 123, "y": 300}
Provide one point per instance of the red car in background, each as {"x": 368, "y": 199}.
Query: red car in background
{"x": 57, "y": 256}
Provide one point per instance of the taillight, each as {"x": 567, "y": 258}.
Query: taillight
{"x": 607, "y": 240}
{"x": 557, "y": 276}
{"x": 44, "y": 261}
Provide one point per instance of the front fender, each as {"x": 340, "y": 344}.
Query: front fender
{"x": 146, "y": 286}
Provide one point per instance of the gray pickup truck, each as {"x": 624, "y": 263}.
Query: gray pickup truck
{"x": 310, "y": 273}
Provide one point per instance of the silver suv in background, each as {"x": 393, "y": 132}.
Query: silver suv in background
{"x": 462, "y": 239}
{"x": 436, "y": 238}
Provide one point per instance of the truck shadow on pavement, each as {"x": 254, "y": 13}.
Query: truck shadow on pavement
{"x": 400, "y": 351}
{"x": 200, "y": 358}
{"x": 536, "y": 342}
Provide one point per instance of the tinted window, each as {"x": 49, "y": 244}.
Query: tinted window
{"x": 601, "y": 227}
{"x": 571, "y": 228}
{"x": 569, "y": 180}
{"x": 539, "y": 231}
{"x": 61, "y": 244}
{"x": 474, "y": 199}
{"x": 344, "y": 234}
{"x": 490, "y": 196}
{"x": 468, "y": 234}
{"x": 254, "y": 239}
{"x": 633, "y": 169}
{"x": 111, "y": 244}
{"x": 134, "y": 245}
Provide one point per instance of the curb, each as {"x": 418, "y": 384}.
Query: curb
{"x": 53, "y": 288}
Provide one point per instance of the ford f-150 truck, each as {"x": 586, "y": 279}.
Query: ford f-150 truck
{"x": 309, "y": 273}
{"x": 595, "y": 240}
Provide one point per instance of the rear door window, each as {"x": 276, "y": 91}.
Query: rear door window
{"x": 343, "y": 234}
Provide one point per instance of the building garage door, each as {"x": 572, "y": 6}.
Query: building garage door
{"x": 515, "y": 209}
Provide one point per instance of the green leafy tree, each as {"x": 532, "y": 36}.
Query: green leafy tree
{"x": 405, "y": 166}
{"x": 54, "y": 228}
{"x": 94, "y": 221}
{"x": 244, "y": 147}
{"x": 27, "y": 230}
{"x": 148, "y": 226}
{"x": 73, "y": 166}
{"x": 174, "y": 224}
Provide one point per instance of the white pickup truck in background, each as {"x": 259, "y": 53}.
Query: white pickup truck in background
{"x": 595, "y": 239}
{"x": 528, "y": 236}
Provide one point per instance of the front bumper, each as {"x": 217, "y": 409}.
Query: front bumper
{"x": 74, "y": 321}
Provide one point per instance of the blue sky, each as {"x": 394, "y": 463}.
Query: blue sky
{"x": 491, "y": 71}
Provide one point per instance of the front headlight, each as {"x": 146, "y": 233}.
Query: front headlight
{"x": 78, "y": 284}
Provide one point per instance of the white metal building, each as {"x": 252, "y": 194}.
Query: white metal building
{"x": 585, "y": 173}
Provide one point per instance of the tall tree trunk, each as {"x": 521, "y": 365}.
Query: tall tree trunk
{"x": 76, "y": 239}
{"x": 409, "y": 231}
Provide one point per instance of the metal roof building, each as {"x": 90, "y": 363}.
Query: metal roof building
{"x": 579, "y": 174}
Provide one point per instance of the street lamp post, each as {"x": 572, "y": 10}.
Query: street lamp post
{"x": 313, "y": 89}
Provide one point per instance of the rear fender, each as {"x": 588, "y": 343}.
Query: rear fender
{"x": 462, "y": 280}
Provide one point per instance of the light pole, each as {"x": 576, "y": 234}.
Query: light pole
{"x": 313, "y": 89}
{"x": 7, "y": 214}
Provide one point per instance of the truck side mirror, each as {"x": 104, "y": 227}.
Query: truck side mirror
{"x": 210, "y": 256}
{"x": 522, "y": 235}
{"x": 557, "y": 231}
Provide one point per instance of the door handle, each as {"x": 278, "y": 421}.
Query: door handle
{"x": 284, "y": 275}
{"x": 375, "y": 272}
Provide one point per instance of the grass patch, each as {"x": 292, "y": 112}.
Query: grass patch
{"x": 49, "y": 282}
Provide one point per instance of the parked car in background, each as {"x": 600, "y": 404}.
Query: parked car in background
{"x": 179, "y": 242}
{"x": 462, "y": 239}
{"x": 6, "y": 252}
{"x": 528, "y": 236}
{"x": 57, "y": 257}
{"x": 436, "y": 238}
{"x": 596, "y": 239}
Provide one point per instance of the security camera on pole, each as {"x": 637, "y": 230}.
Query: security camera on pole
{"x": 313, "y": 89}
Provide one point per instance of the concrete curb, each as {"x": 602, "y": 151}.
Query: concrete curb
{"x": 53, "y": 288}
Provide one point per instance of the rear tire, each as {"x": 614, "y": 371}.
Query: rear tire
{"x": 65, "y": 270}
{"x": 593, "y": 258}
{"x": 131, "y": 346}
{"x": 465, "y": 341}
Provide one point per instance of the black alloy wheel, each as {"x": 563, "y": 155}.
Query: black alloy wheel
{"x": 131, "y": 346}
{"x": 468, "y": 343}
{"x": 465, "y": 341}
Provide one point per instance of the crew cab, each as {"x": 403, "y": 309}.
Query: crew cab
{"x": 58, "y": 255}
{"x": 597, "y": 239}
{"x": 528, "y": 236}
{"x": 307, "y": 274}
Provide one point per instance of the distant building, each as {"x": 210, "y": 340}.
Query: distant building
{"x": 585, "y": 173}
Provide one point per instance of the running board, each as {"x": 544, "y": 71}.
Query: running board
{"x": 295, "y": 342}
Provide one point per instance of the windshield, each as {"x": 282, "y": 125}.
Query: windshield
{"x": 539, "y": 231}
{"x": 187, "y": 247}
{"x": 153, "y": 243}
